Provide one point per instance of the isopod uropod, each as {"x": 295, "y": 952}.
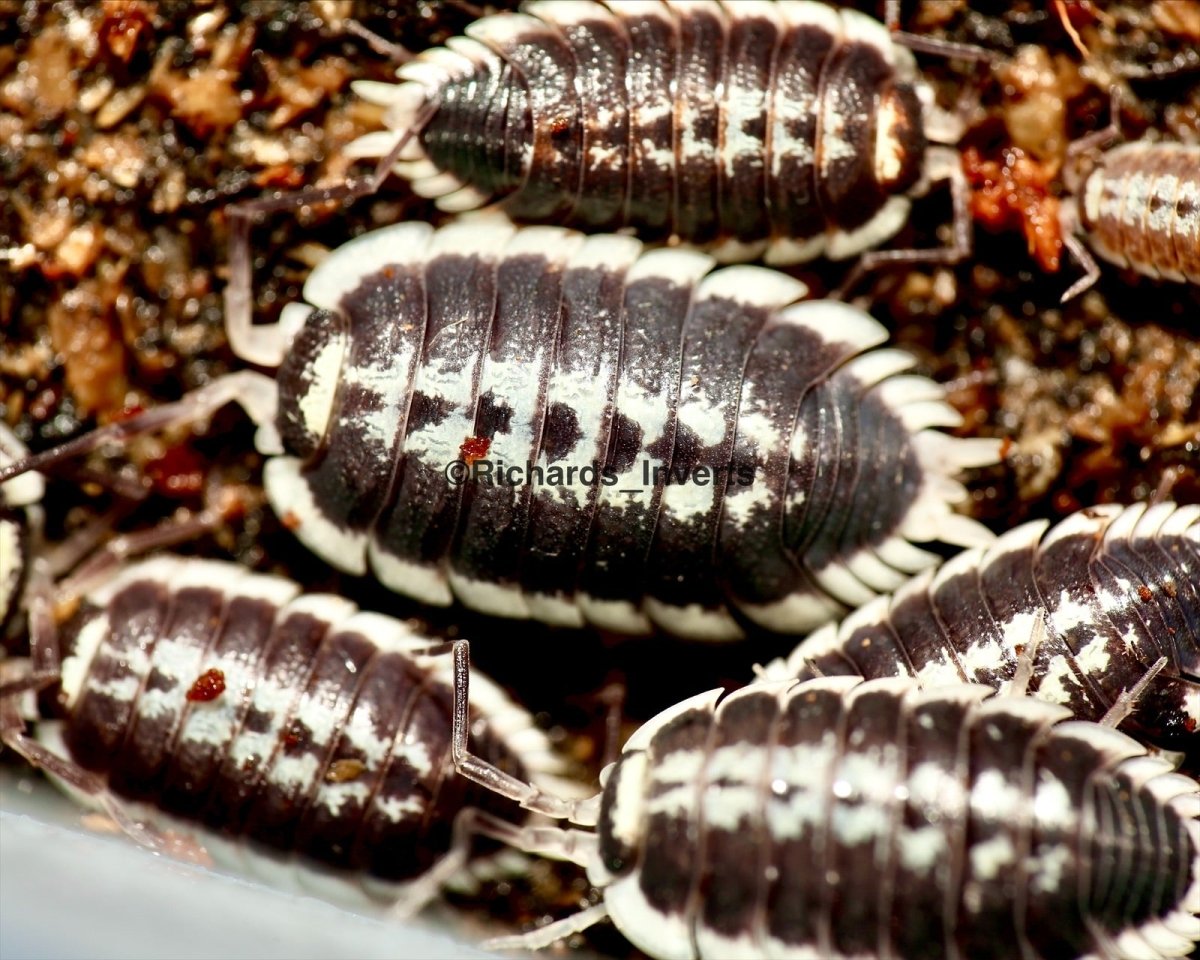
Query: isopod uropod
{"x": 1138, "y": 207}
{"x": 195, "y": 694}
{"x": 788, "y": 130}
{"x": 756, "y": 455}
{"x": 1117, "y": 588}
{"x": 837, "y": 818}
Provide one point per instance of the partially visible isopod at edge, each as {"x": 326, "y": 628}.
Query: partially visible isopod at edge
{"x": 1138, "y": 206}
{"x": 19, "y": 499}
{"x": 295, "y": 737}
{"x": 1105, "y": 594}
{"x": 782, "y": 130}
{"x": 841, "y": 818}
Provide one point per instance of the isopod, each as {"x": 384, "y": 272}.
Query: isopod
{"x": 17, "y": 498}
{"x": 837, "y": 818}
{"x": 1139, "y": 208}
{"x": 1117, "y": 588}
{"x": 787, "y": 130}
{"x": 196, "y": 696}
{"x": 747, "y": 453}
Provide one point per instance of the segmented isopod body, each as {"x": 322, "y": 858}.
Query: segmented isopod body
{"x": 200, "y": 691}
{"x": 16, "y": 498}
{"x": 786, "y": 129}
{"x": 1118, "y": 588}
{"x": 836, "y": 818}
{"x": 1140, "y": 208}
{"x": 802, "y": 466}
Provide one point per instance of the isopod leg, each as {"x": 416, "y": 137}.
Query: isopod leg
{"x": 66, "y": 771}
{"x": 381, "y": 45}
{"x": 427, "y": 887}
{"x": 267, "y": 345}
{"x": 470, "y": 823}
{"x": 944, "y": 48}
{"x": 1091, "y": 269}
{"x": 551, "y": 933}
{"x": 583, "y": 812}
{"x": 92, "y": 787}
{"x": 1018, "y": 686}
{"x": 1098, "y": 139}
{"x": 253, "y": 391}
{"x": 183, "y": 526}
{"x": 1070, "y": 226}
{"x": 941, "y": 48}
{"x": 613, "y": 697}
{"x": 943, "y": 164}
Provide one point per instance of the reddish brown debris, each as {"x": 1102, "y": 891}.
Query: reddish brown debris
{"x": 343, "y": 771}
{"x": 1013, "y": 193}
{"x": 208, "y": 686}
{"x": 179, "y": 472}
{"x": 475, "y": 448}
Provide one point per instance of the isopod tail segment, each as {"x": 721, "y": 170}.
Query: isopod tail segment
{"x": 19, "y": 523}
{"x": 836, "y": 817}
{"x": 1078, "y": 614}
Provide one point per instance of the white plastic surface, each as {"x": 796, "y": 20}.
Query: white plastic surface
{"x": 66, "y": 893}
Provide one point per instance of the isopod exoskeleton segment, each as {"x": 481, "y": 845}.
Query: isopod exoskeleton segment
{"x": 17, "y": 496}
{"x": 1139, "y": 208}
{"x": 803, "y": 462}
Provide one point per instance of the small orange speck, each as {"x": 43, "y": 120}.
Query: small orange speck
{"x": 475, "y": 448}
{"x": 341, "y": 771}
{"x": 291, "y": 520}
{"x": 1144, "y": 594}
{"x": 208, "y": 686}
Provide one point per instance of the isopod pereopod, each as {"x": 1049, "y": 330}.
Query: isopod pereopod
{"x": 746, "y": 453}
{"x": 836, "y": 818}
